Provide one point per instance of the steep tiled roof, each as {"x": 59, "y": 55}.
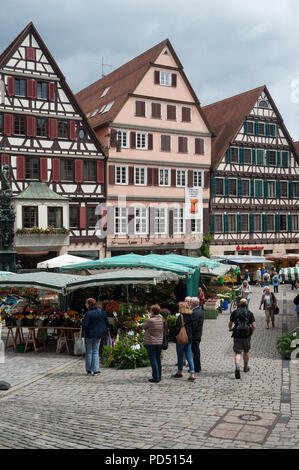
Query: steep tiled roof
{"x": 121, "y": 82}
{"x": 296, "y": 145}
{"x": 226, "y": 118}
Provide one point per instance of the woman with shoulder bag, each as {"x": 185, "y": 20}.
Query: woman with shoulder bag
{"x": 153, "y": 341}
{"x": 269, "y": 303}
{"x": 183, "y": 332}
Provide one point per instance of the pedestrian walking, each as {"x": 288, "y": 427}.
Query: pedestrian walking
{"x": 153, "y": 340}
{"x": 247, "y": 276}
{"x": 266, "y": 279}
{"x": 275, "y": 282}
{"x": 245, "y": 291}
{"x": 197, "y": 325}
{"x": 94, "y": 325}
{"x": 294, "y": 284}
{"x": 201, "y": 297}
{"x": 269, "y": 303}
{"x": 258, "y": 276}
{"x": 242, "y": 324}
{"x": 263, "y": 272}
{"x": 184, "y": 321}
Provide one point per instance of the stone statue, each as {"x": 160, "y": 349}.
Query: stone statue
{"x": 7, "y": 214}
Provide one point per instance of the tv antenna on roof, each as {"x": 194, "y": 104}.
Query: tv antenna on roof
{"x": 104, "y": 65}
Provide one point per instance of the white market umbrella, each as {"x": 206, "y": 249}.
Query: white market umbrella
{"x": 60, "y": 261}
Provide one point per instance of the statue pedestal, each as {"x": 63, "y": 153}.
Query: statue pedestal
{"x": 8, "y": 261}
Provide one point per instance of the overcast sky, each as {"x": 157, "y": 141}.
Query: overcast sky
{"x": 225, "y": 46}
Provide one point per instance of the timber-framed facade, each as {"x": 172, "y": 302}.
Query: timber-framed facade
{"x": 254, "y": 179}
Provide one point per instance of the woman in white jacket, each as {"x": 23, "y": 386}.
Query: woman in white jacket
{"x": 245, "y": 291}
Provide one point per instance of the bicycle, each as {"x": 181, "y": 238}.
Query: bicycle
{"x": 235, "y": 304}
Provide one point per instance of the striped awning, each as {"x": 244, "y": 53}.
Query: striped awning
{"x": 289, "y": 274}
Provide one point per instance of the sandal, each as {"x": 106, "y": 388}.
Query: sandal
{"x": 191, "y": 379}
{"x": 177, "y": 375}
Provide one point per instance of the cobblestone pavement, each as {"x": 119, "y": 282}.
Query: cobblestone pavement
{"x": 121, "y": 409}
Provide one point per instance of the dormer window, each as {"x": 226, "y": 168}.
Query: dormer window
{"x": 263, "y": 104}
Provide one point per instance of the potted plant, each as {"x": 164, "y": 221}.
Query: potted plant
{"x": 287, "y": 344}
{"x": 30, "y": 319}
{"x": 19, "y": 319}
{"x": 40, "y": 320}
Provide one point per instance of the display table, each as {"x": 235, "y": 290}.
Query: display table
{"x": 16, "y": 333}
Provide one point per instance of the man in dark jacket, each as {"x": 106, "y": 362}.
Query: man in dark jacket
{"x": 197, "y": 324}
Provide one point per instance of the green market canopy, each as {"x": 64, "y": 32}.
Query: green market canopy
{"x": 289, "y": 274}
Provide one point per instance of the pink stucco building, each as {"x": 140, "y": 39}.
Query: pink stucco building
{"x": 148, "y": 118}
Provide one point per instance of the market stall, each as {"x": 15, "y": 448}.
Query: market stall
{"x": 60, "y": 261}
{"x": 289, "y": 274}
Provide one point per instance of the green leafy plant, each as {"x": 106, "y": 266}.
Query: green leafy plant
{"x": 284, "y": 344}
{"x": 126, "y": 354}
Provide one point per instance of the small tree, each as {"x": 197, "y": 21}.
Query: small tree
{"x": 204, "y": 250}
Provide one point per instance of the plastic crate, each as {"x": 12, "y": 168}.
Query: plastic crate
{"x": 210, "y": 314}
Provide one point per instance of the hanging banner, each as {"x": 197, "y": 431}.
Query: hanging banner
{"x": 193, "y": 203}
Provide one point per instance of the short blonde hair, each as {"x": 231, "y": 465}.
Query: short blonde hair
{"x": 243, "y": 303}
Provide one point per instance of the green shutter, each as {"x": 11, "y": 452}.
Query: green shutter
{"x": 285, "y": 159}
{"x": 226, "y": 187}
{"x": 268, "y": 157}
{"x": 251, "y": 223}
{"x": 266, "y": 192}
{"x": 291, "y": 189}
{"x": 251, "y": 188}
{"x": 245, "y": 127}
{"x": 239, "y": 223}
{"x": 256, "y": 128}
{"x": 277, "y": 223}
{"x": 273, "y": 130}
{"x": 241, "y": 156}
{"x": 228, "y": 155}
{"x": 260, "y": 157}
{"x": 268, "y": 132}
{"x": 225, "y": 223}
{"x": 278, "y": 189}
{"x": 278, "y": 158}
{"x": 265, "y": 223}
{"x": 253, "y": 157}
{"x": 290, "y": 223}
{"x": 212, "y": 223}
{"x": 240, "y": 193}
{"x": 213, "y": 186}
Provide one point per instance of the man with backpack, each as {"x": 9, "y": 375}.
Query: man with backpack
{"x": 244, "y": 327}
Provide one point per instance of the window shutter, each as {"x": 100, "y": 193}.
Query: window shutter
{"x": 285, "y": 159}
{"x": 157, "y": 77}
{"x": 268, "y": 157}
{"x": 72, "y": 128}
{"x": 5, "y": 159}
{"x": 278, "y": 189}
{"x": 133, "y": 140}
{"x": 260, "y": 157}
{"x": 10, "y": 86}
{"x": 149, "y": 176}
{"x": 190, "y": 179}
{"x": 171, "y": 112}
{"x": 256, "y": 128}
{"x": 51, "y": 91}
{"x": 78, "y": 171}
{"x": 131, "y": 175}
{"x": 240, "y": 193}
{"x": 30, "y": 53}
{"x": 156, "y": 176}
{"x": 170, "y": 222}
{"x": 173, "y": 79}
{"x": 20, "y": 168}
{"x": 291, "y": 189}
{"x": 55, "y": 170}
{"x": 241, "y": 156}
{"x": 277, "y": 223}
{"x": 31, "y": 126}
{"x": 266, "y": 192}
{"x": 53, "y": 128}
{"x": 173, "y": 177}
{"x": 150, "y": 141}
{"x": 212, "y": 223}
{"x": 239, "y": 223}
{"x": 31, "y": 88}
{"x": 251, "y": 223}
{"x": 251, "y": 188}
{"x": 278, "y": 158}
{"x": 113, "y": 135}
{"x": 228, "y": 155}
{"x": 226, "y": 186}
{"x": 225, "y": 223}
{"x": 264, "y": 223}
{"x": 213, "y": 186}
{"x": 206, "y": 182}
{"x": 199, "y": 146}
{"x": 43, "y": 167}
{"x": 100, "y": 171}
{"x": 112, "y": 174}
{"x": 140, "y": 108}
{"x": 83, "y": 221}
{"x": 290, "y": 223}
{"x": 8, "y": 124}
{"x": 245, "y": 127}
{"x": 273, "y": 130}
{"x": 253, "y": 156}
{"x": 268, "y": 132}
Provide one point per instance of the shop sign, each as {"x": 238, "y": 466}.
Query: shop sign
{"x": 249, "y": 248}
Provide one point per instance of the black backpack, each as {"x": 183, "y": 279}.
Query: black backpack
{"x": 242, "y": 329}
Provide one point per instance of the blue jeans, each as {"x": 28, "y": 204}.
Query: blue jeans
{"x": 154, "y": 355}
{"x": 92, "y": 362}
{"x": 180, "y": 350}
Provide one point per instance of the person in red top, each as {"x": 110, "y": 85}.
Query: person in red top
{"x": 201, "y": 297}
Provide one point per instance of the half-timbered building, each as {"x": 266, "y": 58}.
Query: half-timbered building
{"x": 254, "y": 177}
{"x": 57, "y": 164}
{"x": 149, "y": 119}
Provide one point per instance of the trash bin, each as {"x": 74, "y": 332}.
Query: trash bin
{"x": 225, "y": 305}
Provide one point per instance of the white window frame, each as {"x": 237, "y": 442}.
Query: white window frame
{"x": 233, "y": 148}
{"x": 180, "y": 184}
{"x": 287, "y": 186}
{"x": 246, "y": 163}
{"x": 158, "y": 218}
{"x": 246, "y": 195}
{"x": 140, "y": 134}
{"x": 295, "y": 217}
{"x": 244, "y": 215}
{"x": 233, "y": 195}
{"x": 141, "y": 218}
{"x": 197, "y": 172}
{"x": 273, "y": 164}
{"x": 122, "y": 217}
{"x": 136, "y": 168}
{"x": 296, "y": 182}
{"x": 127, "y": 171}
{"x": 164, "y": 170}
{"x": 274, "y": 184}
{"x": 220, "y": 216}
{"x": 162, "y": 78}
{"x": 123, "y": 133}
{"x": 197, "y": 229}
{"x": 178, "y": 221}
{"x": 228, "y": 218}
{"x": 250, "y": 122}
{"x": 261, "y": 222}
{"x": 223, "y": 184}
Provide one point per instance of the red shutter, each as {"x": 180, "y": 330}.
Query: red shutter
{"x": 202, "y": 147}
{"x": 199, "y": 146}
{"x": 78, "y": 171}
{"x": 43, "y": 166}
{"x": 171, "y": 112}
{"x": 207, "y": 179}
{"x": 31, "y": 88}
{"x": 156, "y": 176}
{"x": 113, "y": 135}
{"x": 56, "y": 170}
{"x": 150, "y": 142}
{"x": 51, "y": 90}
{"x": 112, "y": 174}
{"x": 190, "y": 179}
{"x": 20, "y": 168}
{"x": 131, "y": 175}
{"x": 8, "y": 124}
{"x": 173, "y": 177}
{"x": 83, "y": 222}
{"x": 133, "y": 140}
{"x": 30, "y": 53}
{"x": 157, "y": 77}
{"x": 72, "y": 130}
{"x": 173, "y": 79}
{"x": 100, "y": 171}
{"x": 10, "y": 86}
{"x": 149, "y": 176}
{"x": 53, "y": 128}
{"x": 5, "y": 159}
{"x": 31, "y": 126}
